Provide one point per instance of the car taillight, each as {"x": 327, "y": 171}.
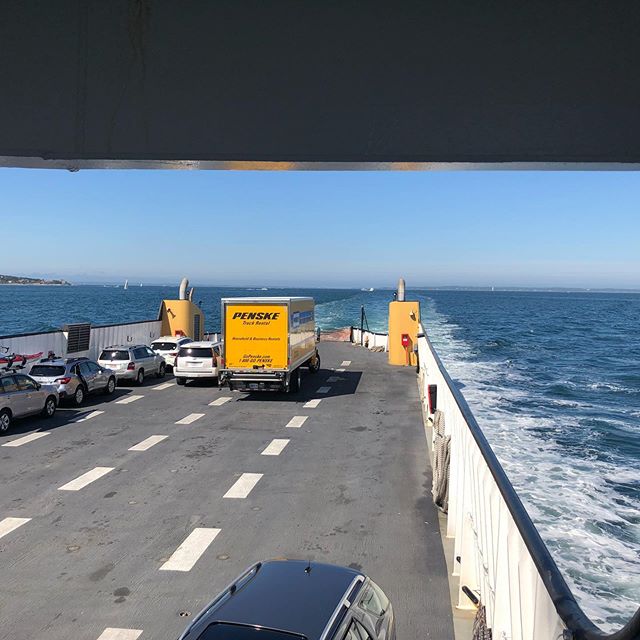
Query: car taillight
{"x": 131, "y": 366}
{"x": 63, "y": 380}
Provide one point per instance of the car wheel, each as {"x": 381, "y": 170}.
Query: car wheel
{"x": 162, "y": 370}
{"x": 78, "y": 396}
{"x": 181, "y": 381}
{"x": 5, "y": 420}
{"x": 111, "y": 386}
{"x": 140, "y": 377}
{"x": 49, "y": 407}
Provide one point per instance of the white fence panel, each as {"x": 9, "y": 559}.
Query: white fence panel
{"x": 370, "y": 339}
{"x": 124, "y": 334}
{"x": 56, "y": 341}
{"x": 28, "y": 344}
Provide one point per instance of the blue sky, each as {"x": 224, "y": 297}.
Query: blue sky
{"x": 324, "y": 228}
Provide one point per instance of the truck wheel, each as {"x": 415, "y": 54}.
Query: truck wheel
{"x": 181, "y": 381}
{"x": 295, "y": 382}
{"x": 314, "y": 367}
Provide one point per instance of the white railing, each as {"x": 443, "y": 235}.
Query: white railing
{"x": 499, "y": 558}
{"x": 370, "y": 339}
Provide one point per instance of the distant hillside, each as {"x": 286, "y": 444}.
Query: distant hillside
{"x": 21, "y": 280}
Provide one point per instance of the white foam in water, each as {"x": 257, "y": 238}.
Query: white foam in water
{"x": 568, "y": 498}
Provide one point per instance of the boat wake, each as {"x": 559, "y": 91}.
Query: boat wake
{"x": 573, "y": 475}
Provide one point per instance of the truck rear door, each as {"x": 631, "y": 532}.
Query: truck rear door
{"x": 256, "y": 336}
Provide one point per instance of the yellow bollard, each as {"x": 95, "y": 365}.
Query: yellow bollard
{"x": 182, "y": 316}
{"x": 404, "y": 321}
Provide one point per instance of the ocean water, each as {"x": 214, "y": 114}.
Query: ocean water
{"x": 553, "y": 379}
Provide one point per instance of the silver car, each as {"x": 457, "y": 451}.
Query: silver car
{"x": 74, "y": 378}
{"x": 21, "y": 396}
{"x": 133, "y": 363}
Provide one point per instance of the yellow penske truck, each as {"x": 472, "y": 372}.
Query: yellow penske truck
{"x": 267, "y": 342}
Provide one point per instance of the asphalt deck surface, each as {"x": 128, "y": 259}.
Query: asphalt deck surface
{"x": 351, "y": 487}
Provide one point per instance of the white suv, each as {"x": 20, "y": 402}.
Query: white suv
{"x": 168, "y": 347}
{"x": 197, "y": 360}
{"x": 132, "y": 363}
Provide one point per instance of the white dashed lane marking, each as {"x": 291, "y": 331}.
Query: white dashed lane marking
{"x": 275, "y": 447}
{"x": 30, "y": 438}
{"x": 147, "y": 443}
{"x": 340, "y": 370}
{"x": 345, "y": 363}
{"x": 129, "y": 399}
{"x": 243, "y": 485}
{"x": 86, "y": 478}
{"x": 111, "y": 633}
{"x": 11, "y": 524}
{"x": 324, "y": 390}
{"x": 219, "y": 402}
{"x": 164, "y": 385}
{"x": 188, "y": 553}
{"x": 93, "y": 414}
{"x": 192, "y": 417}
{"x": 312, "y": 404}
{"x": 297, "y": 421}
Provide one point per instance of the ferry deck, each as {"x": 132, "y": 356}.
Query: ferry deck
{"x": 348, "y": 482}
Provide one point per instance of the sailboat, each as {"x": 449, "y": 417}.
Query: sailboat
{"x": 126, "y": 284}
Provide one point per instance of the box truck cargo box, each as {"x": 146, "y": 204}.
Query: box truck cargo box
{"x": 266, "y": 342}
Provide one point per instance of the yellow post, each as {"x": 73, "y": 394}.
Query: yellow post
{"x": 404, "y": 322}
{"x": 182, "y": 316}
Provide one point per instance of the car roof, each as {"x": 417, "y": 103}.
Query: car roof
{"x": 126, "y": 347}
{"x": 203, "y": 343}
{"x": 289, "y": 595}
{"x": 13, "y": 372}
{"x": 175, "y": 338}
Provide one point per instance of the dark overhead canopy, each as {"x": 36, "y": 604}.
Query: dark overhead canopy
{"x": 231, "y": 83}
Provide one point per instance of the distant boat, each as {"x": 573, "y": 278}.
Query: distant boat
{"x": 369, "y": 290}
{"x": 126, "y": 284}
{"x": 264, "y": 289}
{"x": 141, "y": 284}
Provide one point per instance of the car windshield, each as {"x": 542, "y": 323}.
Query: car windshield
{"x": 114, "y": 355}
{"x": 163, "y": 346}
{"x": 225, "y": 631}
{"x": 46, "y": 371}
{"x": 195, "y": 352}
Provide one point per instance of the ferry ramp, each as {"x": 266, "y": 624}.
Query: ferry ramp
{"x": 114, "y": 538}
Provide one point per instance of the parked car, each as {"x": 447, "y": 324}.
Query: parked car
{"x": 74, "y": 378}
{"x": 21, "y": 396}
{"x": 168, "y": 347}
{"x": 197, "y": 360}
{"x": 297, "y": 600}
{"x": 132, "y": 363}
